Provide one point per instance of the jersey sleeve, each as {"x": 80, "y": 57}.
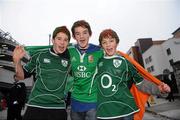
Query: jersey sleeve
{"x": 135, "y": 76}
{"x": 31, "y": 65}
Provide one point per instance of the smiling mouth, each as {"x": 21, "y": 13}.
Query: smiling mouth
{"x": 61, "y": 48}
{"x": 110, "y": 49}
{"x": 82, "y": 40}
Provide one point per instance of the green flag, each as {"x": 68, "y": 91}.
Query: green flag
{"x": 33, "y": 49}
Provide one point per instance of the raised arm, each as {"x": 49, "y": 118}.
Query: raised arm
{"x": 164, "y": 88}
{"x": 18, "y": 54}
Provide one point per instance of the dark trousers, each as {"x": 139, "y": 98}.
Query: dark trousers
{"x": 14, "y": 112}
{"x": 34, "y": 113}
{"x": 170, "y": 96}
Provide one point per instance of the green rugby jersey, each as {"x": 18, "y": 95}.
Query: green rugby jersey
{"x": 114, "y": 98}
{"x": 83, "y": 68}
{"x": 51, "y": 74}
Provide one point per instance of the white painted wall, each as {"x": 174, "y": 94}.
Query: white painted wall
{"x": 159, "y": 60}
{"x": 174, "y": 45}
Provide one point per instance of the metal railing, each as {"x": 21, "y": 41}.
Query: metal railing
{"x": 7, "y": 36}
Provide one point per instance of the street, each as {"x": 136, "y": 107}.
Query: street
{"x": 151, "y": 116}
{"x": 162, "y": 110}
{"x": 147, "y": 116}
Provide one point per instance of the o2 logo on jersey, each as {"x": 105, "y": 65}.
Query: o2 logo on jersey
{"x": 108, "y": 88}
{"x": 117, "y": 63}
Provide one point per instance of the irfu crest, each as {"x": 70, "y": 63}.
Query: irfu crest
{"x": 117, "y": 63}
{"x": 64, "y": 63}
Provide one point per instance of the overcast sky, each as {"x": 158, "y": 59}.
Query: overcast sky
{"x": 31, "y": 21}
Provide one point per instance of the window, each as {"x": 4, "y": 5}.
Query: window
{"x": 150, "y": 69}
{"x": 148, "y": 60}
{"x": 168, "y": 51}
{"x": 171, "y": 62}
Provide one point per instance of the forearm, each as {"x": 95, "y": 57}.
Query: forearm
{"x": 149, "y": 87}
{"x": 19, "y": 72}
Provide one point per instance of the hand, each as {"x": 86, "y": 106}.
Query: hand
{"x": 164, "y": 88}
{"x": 18, "y": 54}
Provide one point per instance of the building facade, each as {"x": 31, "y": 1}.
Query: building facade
{"x": 7, "y": 71}
{"x": 159, "y": 56}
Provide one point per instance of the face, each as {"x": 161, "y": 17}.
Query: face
{"x": 109, "y": 45}
{"x": 60, "y": 42}
{"x": 81, "y": 35}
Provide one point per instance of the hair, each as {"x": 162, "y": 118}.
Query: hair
{"x": 81, "y": 23}
{"x": 108, "y": 33}
{"x": 62, "y": 29}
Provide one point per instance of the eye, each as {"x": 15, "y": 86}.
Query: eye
{"x": 66, "y": 40}
{"x": 77, "y": 34}
{"x": 111, "y": 40}
{"x": 103, "y": 42}
{"x": 85, "y": 32}
{"x": 58, "y": 38}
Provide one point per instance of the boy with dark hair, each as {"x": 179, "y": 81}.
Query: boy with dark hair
{"x": 84, "y": 58}
{"x": 51, "y": 68}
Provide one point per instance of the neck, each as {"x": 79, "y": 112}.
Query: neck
{"x": 83, "y": 48}
{"x": 54, "y": 51}
{"x": 110, "y": 55}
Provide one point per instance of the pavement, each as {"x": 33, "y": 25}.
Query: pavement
{"x": 165, "y": 109}
{"x": 162, "y": 107}
{"x": 3, "y": 113}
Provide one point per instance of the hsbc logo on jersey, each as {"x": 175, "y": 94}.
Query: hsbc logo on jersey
{"x": 81, "y": 72}
{"x": 81, "y": 68}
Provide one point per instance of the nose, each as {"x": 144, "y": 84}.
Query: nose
{"x": 107, "y": 44}
{"x": 81, "y": 35}
{"x": 61, "y": 42}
